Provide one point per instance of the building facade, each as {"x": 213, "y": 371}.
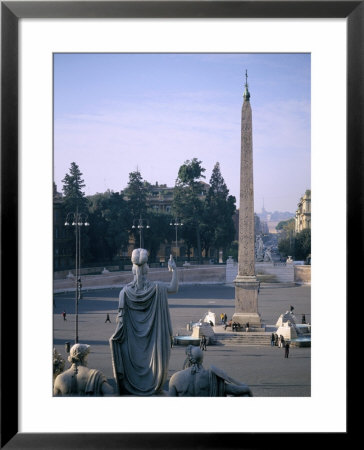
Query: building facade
{"x": 303, "y": 213}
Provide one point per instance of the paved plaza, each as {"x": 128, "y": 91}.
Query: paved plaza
{"x": 263, "y": 368}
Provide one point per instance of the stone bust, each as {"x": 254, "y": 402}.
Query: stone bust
{"x": 195, "y": 381}
{"x": 79, "y": 380}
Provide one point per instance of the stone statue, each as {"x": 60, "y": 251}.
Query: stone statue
{"x": 79, "y": 380}
{"x": 141, "y": 344}
{"x": 259, "y": 249}
{"x": 268, "y": 255}
{"x": 195, "y": 381}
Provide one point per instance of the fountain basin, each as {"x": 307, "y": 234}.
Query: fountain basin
{"x": 186, "y": 340}
{"x": 304, "y": 341}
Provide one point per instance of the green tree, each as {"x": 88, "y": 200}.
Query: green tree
{"x": 187, "y": 202}
{"x": 287, "y": 238}
{"x": 100, "y": 251}
{"x": 74, "y": 196}
{"x": 160, "y": 232}
{"x": 136, "y": 194}
{"x": 298, "y": 246}
{"x": 110, "y": 221}
{"x": 286, "y": 247}
{"x": 217, "y": 229}
{"x": 75, "y": 203}
{"x": 286, "y": 225}
{"x": 303, "y": 244}
{"x": 232, "y": 250}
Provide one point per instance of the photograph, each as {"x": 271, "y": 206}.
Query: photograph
{"x": 158, "y": 160}
{"x": 182, "y": 224}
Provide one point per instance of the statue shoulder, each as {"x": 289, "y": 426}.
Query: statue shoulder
{"x": 63, "y": 381}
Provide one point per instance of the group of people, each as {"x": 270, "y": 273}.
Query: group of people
{"x": 279, "y": 341}
{"x": 236, "y": 326}
{"x": 223, "y": 318}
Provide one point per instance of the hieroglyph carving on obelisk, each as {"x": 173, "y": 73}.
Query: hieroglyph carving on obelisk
{"x": 246, "y": 284}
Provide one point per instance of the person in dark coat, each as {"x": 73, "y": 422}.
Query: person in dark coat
{"x": 286, "y": 350}
{"x": 64, "y": 315}
{"x": 303, "y": 318}
{"x": 272, "y": 339}
{"x": 283, "y": 342}
{"x": 203, "y": 342}
{"x": 276, "y": 339}
{"x": 107, "y": 318}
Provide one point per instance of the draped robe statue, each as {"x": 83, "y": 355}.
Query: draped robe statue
{"x": 141, "y": 344}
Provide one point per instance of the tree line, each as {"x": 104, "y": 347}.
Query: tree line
{"x": 207, "y": 216}
{"x": 297, "y": 245}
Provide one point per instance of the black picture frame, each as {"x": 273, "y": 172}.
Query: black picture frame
{"x": 11, "y": 12}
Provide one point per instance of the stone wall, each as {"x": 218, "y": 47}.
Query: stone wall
{"x": 190, "y": 274}
{"x": 61, "y": 274}
{"x": 231, "y": 270}
{"x": 282, "y": 273}
{"x": 302, "y": 274}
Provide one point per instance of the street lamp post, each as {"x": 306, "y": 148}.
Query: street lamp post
{"x": 77, "y": 220}
{"x": 140, "y": 224}
{"x": 176, "y": 224}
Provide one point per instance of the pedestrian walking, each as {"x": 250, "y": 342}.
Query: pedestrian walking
{"x": 107, "y": 318}
{"x": 225, "y": 318}
{"x": 303, "y": 318}
{"x": 276, "y": 339}
{"x": 272, "y": 339}
{"x": 222, "y": 317}
{"x": 283, "y": 342}
{"x": 286, "y": 350}
{"x": 203, "y": 342}
{"x": 64, "y": 315}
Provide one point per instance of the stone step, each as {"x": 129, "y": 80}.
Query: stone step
{"x": 257, "y": 339}
{"x": 243, "y": 335}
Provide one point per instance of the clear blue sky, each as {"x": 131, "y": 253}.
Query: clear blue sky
{"x": 114, "y": 113}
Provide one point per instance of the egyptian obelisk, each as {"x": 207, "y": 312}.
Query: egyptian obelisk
{"x": 246, "y": 284}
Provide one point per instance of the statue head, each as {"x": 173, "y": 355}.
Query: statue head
{"x": 79, "y": 354}
{"x": 195, "y": 356}
{"x": 139, "y": 258}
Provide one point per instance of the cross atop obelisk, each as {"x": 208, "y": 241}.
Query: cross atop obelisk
{"x": 246, "y": 284}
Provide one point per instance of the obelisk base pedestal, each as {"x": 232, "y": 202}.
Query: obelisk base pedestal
{"x": 246, "y": 302}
